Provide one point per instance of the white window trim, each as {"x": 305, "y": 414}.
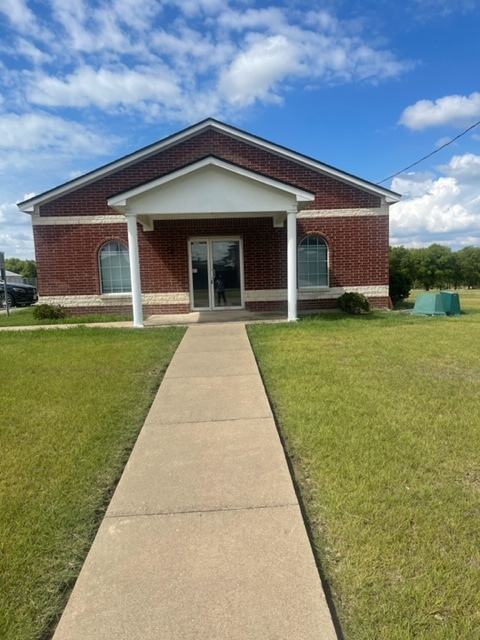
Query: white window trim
{"x": 309, "y": 287}
{"x": 110, "y": 294}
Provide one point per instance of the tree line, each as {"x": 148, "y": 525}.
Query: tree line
{"x": 25, "y": 268}
{"x": 433, "y": 267}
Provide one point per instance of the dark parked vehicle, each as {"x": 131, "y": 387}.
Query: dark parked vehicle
{"x": 18, "y": 295}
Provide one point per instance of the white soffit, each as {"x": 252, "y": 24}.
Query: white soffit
{"x": 210, "y": 186}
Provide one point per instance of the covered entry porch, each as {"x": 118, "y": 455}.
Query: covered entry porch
{"x": 204, "y": 190}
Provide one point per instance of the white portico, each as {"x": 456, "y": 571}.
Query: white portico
{"x": 206, "y": 189}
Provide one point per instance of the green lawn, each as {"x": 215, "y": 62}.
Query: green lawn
{"x": 380, "y": 418}
{"x": 73, "y": 402}
{"x": 24, "y": 317}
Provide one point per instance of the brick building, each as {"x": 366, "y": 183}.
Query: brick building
{"x": 159, "y": 228}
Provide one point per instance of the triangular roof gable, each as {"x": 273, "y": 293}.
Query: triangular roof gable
{"x": 210, "y": 187}
{"x": 211, "y": 184}
{"x": 210, "y": 123}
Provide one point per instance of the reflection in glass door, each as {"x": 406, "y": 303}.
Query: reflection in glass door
{"x": 200, "y": 274}
{"x": 216, "y": 274}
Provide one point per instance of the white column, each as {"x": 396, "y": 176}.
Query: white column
{"x": 135, "y": 270}
{"x": 292, "y": 265}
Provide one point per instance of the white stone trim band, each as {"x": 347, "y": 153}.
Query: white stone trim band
{"x": 39, "y": 221}
{"x": 327, "y": 293}
{"x": 344, "y": 213}
{"x": 181, "y": 297}
{"x": 114, "y": 299}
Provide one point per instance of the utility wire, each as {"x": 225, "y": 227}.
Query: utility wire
{"x": 431, "y": 154}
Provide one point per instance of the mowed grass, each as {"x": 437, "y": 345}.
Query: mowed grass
{"x": 19, "y": 317}
{"x": 73, "y": 402}
{"x": 380, "y": 415}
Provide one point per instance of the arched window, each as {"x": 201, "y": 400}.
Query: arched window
{"x": 114, "y": 267}
{"x": 313, "y": 262}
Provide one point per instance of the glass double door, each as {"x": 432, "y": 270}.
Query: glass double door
{"x": 216, "y": 278}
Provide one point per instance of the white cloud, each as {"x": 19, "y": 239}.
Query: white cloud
{"x": 271, "y": 19}
{"x": 106, "y": 88}
{"x": 191, "y": 53}
{"x": 89, "y": 28}
{"x": 413, "y": 185}
{"x": 465, "y": 169}
{"x": 113, "y": 28}
{"x": 453, "y": 110}
{"x": 319, "y": 47}
{"x": 195, "y": 7}
{"x": 443, "y": 141}
{"x": 41, "y": 150}
{"x": 29, "y": 50}
{"x": 37, "y": 131}
{"x": 443, "y": 209}
{"x": 16, "y": 238}
{"x": 18, "y": 13}
{"x": 254, "y": 74}
{"x": 112, "y": 55}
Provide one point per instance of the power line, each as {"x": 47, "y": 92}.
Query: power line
{"x": 431, "y": 154}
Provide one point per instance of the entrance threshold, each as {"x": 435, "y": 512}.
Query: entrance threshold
{"x": 227, "y": 315}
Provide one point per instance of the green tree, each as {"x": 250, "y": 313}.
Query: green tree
{"x": 456, "y": 270}
{"x": 468, "y": 260}
{"x": 25, "y": 268}
{"x": 29, "y": 269}
{"x": 14, "y": 264}
{"x": 434, "y": 266}
{"x": 402, "y": 273}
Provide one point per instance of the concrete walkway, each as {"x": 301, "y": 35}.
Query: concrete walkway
{"x": 204, "y": 538}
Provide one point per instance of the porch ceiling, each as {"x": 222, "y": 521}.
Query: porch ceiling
{"x": 210, "y": 188}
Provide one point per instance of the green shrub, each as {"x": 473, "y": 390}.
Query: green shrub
{"x": 399, "y": 287}
{"x": 49, "y": 312}
{"x": 353, "y": 303}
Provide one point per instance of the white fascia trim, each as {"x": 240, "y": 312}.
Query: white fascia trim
{"x": 119, "y": 202}
{"x": 28, "y": 206}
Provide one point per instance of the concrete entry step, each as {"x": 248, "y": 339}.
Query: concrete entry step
{"x": 220, "y": 316}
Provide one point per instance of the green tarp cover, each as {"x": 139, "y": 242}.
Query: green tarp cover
{"x": 437, "y": 304}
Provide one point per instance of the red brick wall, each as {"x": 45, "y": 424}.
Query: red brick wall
{"x": 67, "y": 257}
{"x": 358, "y": 248}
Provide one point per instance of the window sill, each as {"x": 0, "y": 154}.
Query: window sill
{"x": 314, "y": 288}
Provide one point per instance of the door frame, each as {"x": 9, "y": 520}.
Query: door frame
{"x": 211, "y": 293}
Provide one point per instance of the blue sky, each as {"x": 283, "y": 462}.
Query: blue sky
{"x": 367, "y": 87}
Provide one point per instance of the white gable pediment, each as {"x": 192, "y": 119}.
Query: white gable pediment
{"x": 210, "y": 186}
